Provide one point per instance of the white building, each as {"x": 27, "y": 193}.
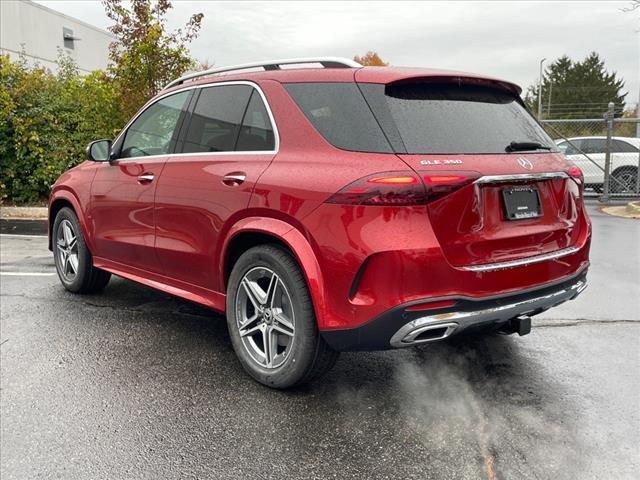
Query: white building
{"x": 38, "y": 32}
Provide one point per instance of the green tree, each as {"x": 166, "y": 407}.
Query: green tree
{"x": 577, "y": 89}
{"x": 46, "y": 121}
{"x": 146, "y": 56}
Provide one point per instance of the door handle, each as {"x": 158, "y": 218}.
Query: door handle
{"x": 234, "y": 179}
{"x": 146, "y": 178}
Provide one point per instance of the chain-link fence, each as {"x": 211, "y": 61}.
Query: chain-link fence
{"x": 607, "y": 151}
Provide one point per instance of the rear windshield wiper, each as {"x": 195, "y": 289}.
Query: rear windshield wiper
{"x": 522, "y": 146}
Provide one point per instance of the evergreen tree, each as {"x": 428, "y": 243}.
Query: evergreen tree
{"x": 577, "y": 89}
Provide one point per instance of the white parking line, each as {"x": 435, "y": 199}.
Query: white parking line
{"x": 15, "y": 235}
{"x": 27, "y": 274}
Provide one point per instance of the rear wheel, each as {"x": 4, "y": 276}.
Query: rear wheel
{"x": 271, "y": 320}
{"x": 72, "y": 257}
{"x": 624, "y": 179}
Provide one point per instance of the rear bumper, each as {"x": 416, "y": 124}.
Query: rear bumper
{"x": 401, "y": 328}
{"x": 376, "y": 259}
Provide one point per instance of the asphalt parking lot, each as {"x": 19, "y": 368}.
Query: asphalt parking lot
{"x": 133, "y": 383}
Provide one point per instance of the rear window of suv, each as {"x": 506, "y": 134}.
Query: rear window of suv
{"x": 419, "y": 118}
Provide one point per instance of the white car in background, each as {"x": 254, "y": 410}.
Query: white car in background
{"x": 588, "y": 153}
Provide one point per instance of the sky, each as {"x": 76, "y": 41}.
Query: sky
{"x": 502, "y": 39}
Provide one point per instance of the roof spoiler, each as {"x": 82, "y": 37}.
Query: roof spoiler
{"x": 470, "y": 80}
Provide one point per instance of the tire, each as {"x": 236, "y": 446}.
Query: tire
{"x": 624, "y": 179}
{"x": 73, "y": 260}
{"x": 267, "y": 298}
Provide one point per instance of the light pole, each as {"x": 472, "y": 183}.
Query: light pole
{"x": 540, "y": 90}
{"x": 638, "y": 124}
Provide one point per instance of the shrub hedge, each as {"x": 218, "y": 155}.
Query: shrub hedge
{"x": 46, "y": 121}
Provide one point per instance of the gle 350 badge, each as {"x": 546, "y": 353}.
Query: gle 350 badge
{"x": 448, "y": 161}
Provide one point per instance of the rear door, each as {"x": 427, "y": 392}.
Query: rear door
{"x": 486, "y": 204}
{"x": 624, "y": 165}
{"x": 588, "y": 155}
{"x": 591, "y": 159}
{"x": 123, "y": 190}
{"x": 226, "y": 143}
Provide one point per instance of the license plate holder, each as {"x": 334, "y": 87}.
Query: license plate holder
{"x": 521, "y": 203}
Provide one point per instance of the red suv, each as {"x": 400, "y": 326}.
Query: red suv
{"x": 326, "y": 206}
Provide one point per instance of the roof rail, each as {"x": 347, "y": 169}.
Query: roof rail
{"x": 326, "y": 62}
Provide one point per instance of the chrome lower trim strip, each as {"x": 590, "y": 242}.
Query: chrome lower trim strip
{"x": 457, "y": 321}
{"x": 488, "y": 267}
{"x": 521, "y": 177}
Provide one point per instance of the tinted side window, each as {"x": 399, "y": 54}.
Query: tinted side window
{"x": 339, "y": 112}
{"x": 594, "y": 145}
{"x": 570, "y": 148}
{"x": 152, "y": 131}
{"x": 575, "y": 147}
{"x": 215, "y": 121}
{"x": 256, "y": 132}
{"x": 620, "y": 146}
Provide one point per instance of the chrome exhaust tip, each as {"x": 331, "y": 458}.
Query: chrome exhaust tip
{"x": 407, "y": 337}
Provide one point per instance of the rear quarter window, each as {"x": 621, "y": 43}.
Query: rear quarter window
{"x": 341, "y": 115}
{"x": 594, "y": 145}
{"x": 620, "y": 146}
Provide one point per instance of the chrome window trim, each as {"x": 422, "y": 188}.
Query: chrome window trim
{"x": 276, "y": 134}
{"x": 487, "y": 267}
{"x": 521, "y": 177}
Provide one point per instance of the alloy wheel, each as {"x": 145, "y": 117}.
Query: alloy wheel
{"x": 265, "y": 317}
{"x": 67, "y": 250}
{"x": 624, "y": 181}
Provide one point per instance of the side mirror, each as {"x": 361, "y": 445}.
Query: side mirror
{"x": 99, "y": 151}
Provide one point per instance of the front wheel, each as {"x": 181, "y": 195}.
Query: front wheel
{"x": 271, "y": 320}
{"x": 72, "y": 257}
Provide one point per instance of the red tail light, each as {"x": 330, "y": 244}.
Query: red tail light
{"x": 575, "y": 173}
{"x": 401, "y": 180}
{"x": 440, "y": 184}
{"x": 402, "y": 188}
{"x": 384, "y": 189}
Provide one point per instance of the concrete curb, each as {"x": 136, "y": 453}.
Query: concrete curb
{"x": 630, "y": 210}
{"x": 14, "y": 226}
{"x": 23, "y": 213}
{"x": 23, "y": 220}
